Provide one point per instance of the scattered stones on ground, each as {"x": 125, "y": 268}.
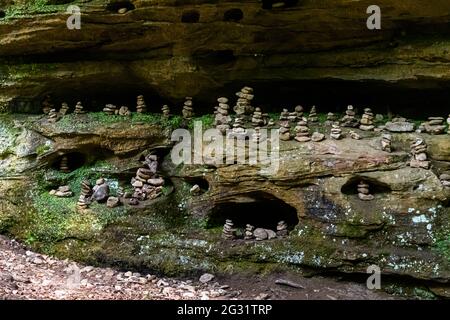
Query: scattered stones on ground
{"x": 367, "y": 120}
{"x": 364, "y": 192}
{"x": 336, "y": 131}
{"x": 228, "y": 232}
{"x": 141, "y": 107}
{"x": 62, "y": 192}
{"x": 386, "y": 142}
{"x": 419, "y": 154}
{"x": 349, "y": 120}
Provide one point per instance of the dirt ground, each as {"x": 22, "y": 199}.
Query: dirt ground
{"x": 29, "y": 275}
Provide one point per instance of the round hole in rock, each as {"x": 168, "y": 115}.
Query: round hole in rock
{"x": 2, "y": 14}
{"x": 375, "y": 186}
{"x": 116, "y": 6}
{"x": 191, "y": 16}
{"x": 233, "y": 15}
{"x": 201, "y": 182}
{"x": 260, "y": 209}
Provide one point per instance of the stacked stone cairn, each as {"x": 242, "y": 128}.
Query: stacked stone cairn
{"x": 336, "y": 131}
{"x": 331, "y": 118}
{"x": 123, "y": 111}
{"x": 386, "y": 142}
{"x": 354, "y": 135}
{"x": 243, "y": 104}
{"x": 448, "y": 124}
{"x": 229, "y": 232}
{"x": 282, "y": 229}
{"x": 238, "y": 130}
{"x": 188, "y": 110}
{"x": 285, "y": 131}
{"x": 296, "y": 115}
{"x": 64, "y": 109}
{"x": 349, "y": 120}
{"x": 312, "y": 117}
{"x": 364, "y": 192}
{"x": 445, "y": 179}
{"x": 434, "y": 125}
{"x": 257, "y": 118}
{"x": 284, "y": 117}
{"x": 419, "y": 154}
{"x": 62, "y": 192}
{"x": 248, "y": 234}
{"x": 367, "y": 120}
{"x": 141, "y": 107}
{"x": 147, "y": 184}
{"x": 110, "y": 109}
{"x": 302, "y": 132}
{"x": 222, "y": 119}
{"x": 165, "y": 111}
{"x": 64, "y": 164}
{"x": 52, "y": 116}
{"x": 85, "y": 196}
{"x": 100, "y": 191}
{"x": 47, "y": 105}
{"x": 317, "y": 136}
{"x": 79, "y": 108}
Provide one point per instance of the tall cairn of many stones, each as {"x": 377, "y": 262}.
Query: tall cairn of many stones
{"x": 257, "y": 118}
{"x": 141, "y": 107}
{"x": 419, "y": 154}
{"x": 188, "y": 109}
{"x": 165, "y": 111}
{"x": 284, "y": 117}
{"x": 79, "y": 108}
{"x": 47, "y": 105}
{"x": 64, "y": 109}
{"x": 64, "y": 164}
{"x": 302, "y": 132}
{"x": 222, "y": 118}
{"x": 349, "y": 120}
{"x": 147, "y": 184}
{"x": 85, "y": 197}
{"x": 243, "y": 105}
{"x": 285, "y": 131}
{"x": 367, "y": 120}
{"x": 228, "y": 232}
{"x": 312, "y": 117}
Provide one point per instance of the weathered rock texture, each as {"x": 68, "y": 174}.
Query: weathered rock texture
{"x": 160, "y": 49}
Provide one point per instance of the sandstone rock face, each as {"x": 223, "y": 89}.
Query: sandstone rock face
{"x": 176, "y": 58}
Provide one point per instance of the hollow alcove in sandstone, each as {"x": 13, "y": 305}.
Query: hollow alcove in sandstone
{"x": 375, "y": 186}
{"x": 260, "y": 209}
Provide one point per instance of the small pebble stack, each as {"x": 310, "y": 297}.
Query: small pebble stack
{"x": 64, "y": 109}
{"x": 434, "y": 125}
{"x": 222, "y": 119}
{"x": 336, "y": 131}
{"x": 302, "y": 132}
{"x": 363, "y": 192}
{"x": 257, "y": 119}
{"x": 52, "y": 116}
{"x": 349, "y": 120}
{"x": 386, "y": 142}
{"x": 419, "y": 154}
{"x": 228, "y": 232}
{"x": 110, "y": 109}
{"x": 64, "y": 164}
{"x": 285, "y": 131}
{"x": 248, "y": 234}
{"x": 79, "y": 108}
{"x": 188, "y": 109}
{"x": 165, "y": 111}
{"x": 282, "y": 229}
{"x": 141, "y": 107}
{"x": 367, "y": 120}
{"x": 313, "y": 115}
{"x": 354, "y": 135}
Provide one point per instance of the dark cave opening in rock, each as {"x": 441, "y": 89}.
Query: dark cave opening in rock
{"x": 233, "y": 15}
{"x": 2, "y": 14}
{"x": 269, "y": 4}
{"x": 115, "y": 6}
{"x": 201, "y": 182}
{"x": 375, "y": 186}
{"x": 70, "y": 161}
{"x": 260, "y": 209}
{"x": 190, "y": 16}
